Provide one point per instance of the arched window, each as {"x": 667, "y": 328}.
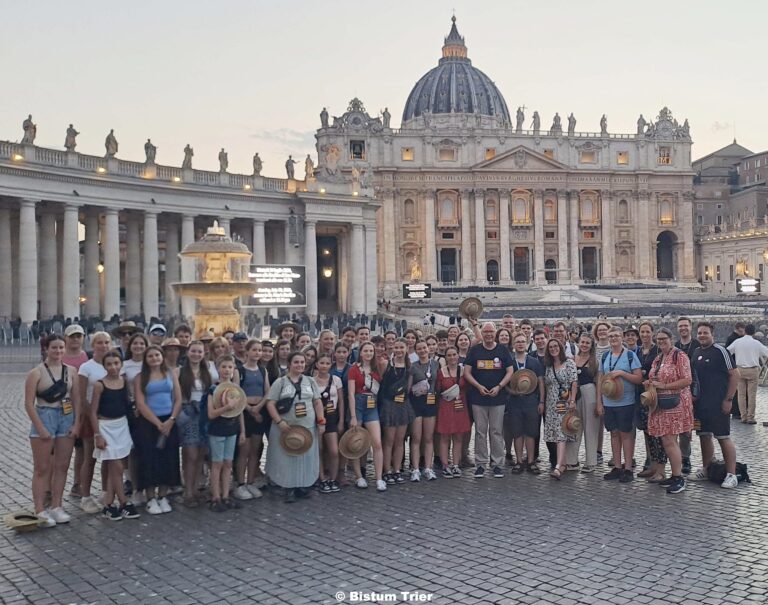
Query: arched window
{"x": 549, "y": 211}
{"x": 447, "y": 210}
{"x": 666, "y": 213}
{"x": 410, "y": 211}
{"x": 624, "y": 266}
{"x": 520, "y": 210}
{"x": 588, "y": 206}
{"x": 492, "y": 267}
{"x": 491, "y": 215}
{"x": 623, "y": 211}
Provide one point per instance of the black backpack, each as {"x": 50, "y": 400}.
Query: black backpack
{"x": 716, "y": 472}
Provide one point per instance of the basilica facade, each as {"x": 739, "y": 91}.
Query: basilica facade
{"x": 474, "y": 195}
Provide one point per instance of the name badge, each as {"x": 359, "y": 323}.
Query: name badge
{"x": 458, "y": 405}
{"x": 561, "y": 407}
{"x": 400, "y": 399}
{"x": 66, "y": 407}
{"x": 329, "y": 408}
{"x": 370, "y": 402}
{"x": 696, "y": 424}
{"x": 301, "y": 410}
{"x": 430, "y": 399}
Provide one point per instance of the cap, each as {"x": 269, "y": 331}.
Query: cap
{"x": 632, "y": 330}
{"x": 157, "y": 328}
{"x": 240, "y": 336}
{"x": 74, "y": 329}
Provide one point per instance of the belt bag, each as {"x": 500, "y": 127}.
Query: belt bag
{"x": 669, "y": 402}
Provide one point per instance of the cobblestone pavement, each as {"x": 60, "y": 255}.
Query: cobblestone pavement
{"x": 521, "y": 539}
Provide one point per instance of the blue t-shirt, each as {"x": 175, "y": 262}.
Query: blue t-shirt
{"x": 626, "y": 361}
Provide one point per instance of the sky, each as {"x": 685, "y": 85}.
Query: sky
{"x": 253, "y": 75}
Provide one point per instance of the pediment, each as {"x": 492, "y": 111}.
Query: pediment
{"x": 520, "y": 158}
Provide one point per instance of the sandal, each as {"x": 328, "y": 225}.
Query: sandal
{"x": 656, "y": 478}
{"x": 517, "y": 468}
{"x": 556, "y": 473}
{"x": 646, "y": 473}
{"x": 534, "y": 469}
{"x": 190, "y": 502}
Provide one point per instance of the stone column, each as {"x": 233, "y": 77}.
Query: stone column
{"x": 187, "y": 264}
{"x": 6, "y": 264}
{"x": 481, "y": 271}
{"x": 111, "y": 263}
{"x": 371, "y": 271}
{"x": 504, "y": 258}
{"x": 259, "y": 247}
{"x": 310, "y": 261}
{"x": 466, "y": 239}
{"x": 389, "y": 242}
{"x": 562, "y": 238}
{"x": 224, "y": 224}
{"x": 430, "y": 253}
{"x": 292, "y": 254}
{"x": 70, "y": 263}
{"x": 132, "y": 266}
{"x": 48, "y": 277}
{"x": 684, "y": 216}
{"x": 643, "y": 245}
{"x": 27, "y": 261}
{"x": 606, "y": 230}
{"x": 538, "y": 230}
{"x": 91, "y": 263}
{"x": 172, "y": 272}
{"x": 357, "y": 269}
{"x": 574, "y": 236}
{"x": 150, "y": 274}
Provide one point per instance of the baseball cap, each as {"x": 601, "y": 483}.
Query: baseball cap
{"x": 157, "y": 328}
{"x": 240, "y": 336}
{"x": 74, "y": 329}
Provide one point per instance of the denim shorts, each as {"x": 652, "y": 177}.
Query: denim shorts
{"x": 222, "y": 448}
{"x": 363, "y": 412}
{"x": 55, "y": 422}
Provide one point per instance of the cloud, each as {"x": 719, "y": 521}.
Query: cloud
{"x": 718, "y": 126}
{"x": 285, "y": 136}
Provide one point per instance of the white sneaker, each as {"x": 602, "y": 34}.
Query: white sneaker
{"x": 381, "y": 485}
{"x": 416, "y": 475}
{"x": 243, "y": 493}
{"x": 165, "y": 506}
{"x": 699, "y": 475}
{"x": 430, "y": 475}
{"x": 44, "y": 519}
{"x": 153, "y": 507}
{"x": 59, "y": 515}
{"x": 253, "y": 490}
{"x": 730, "y": 481}
{"x": 361, "y": 483}
{"x": 139, "y": 499}
{"x": 90, "y": 506}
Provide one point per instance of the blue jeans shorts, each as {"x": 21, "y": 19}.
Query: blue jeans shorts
{"x": 55, "y": 422}
{"x": 222, "y": 448}
{"x": 363, "y": 410}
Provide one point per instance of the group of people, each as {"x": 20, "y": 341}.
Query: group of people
{"x": 136, "y": 400}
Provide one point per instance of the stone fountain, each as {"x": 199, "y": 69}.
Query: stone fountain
{"x": 221, "y": 270}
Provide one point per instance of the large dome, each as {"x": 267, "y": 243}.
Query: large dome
{"x": 454, "y": 86}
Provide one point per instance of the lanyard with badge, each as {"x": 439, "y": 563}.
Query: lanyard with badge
{"x": 431, "y": 400}
{"x": 300, "y": 408}
{"x": 328, "y": 404}
{"x": 399, "y": 384}
{"x": 370, "y": 399}
{"x": 458, "y": 404}
{"x": 563, "y": 392}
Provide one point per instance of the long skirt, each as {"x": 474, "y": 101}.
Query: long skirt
{"x": 156, "y": 465}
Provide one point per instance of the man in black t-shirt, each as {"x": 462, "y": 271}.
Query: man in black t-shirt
{"x": 718, "y": 378}
{"x": 487, "y": 370}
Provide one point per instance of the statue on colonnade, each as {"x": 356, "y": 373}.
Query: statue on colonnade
{"x": 70, "y": 141}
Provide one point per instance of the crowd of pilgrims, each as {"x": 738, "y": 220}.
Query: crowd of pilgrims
{"x": 142, "y": 405}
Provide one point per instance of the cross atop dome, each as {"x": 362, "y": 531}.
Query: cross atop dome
{"x": 454, "y": 46}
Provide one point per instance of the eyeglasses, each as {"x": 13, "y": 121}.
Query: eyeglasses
{"x": 615, "y": 336}
{"x": 662, "y": 338}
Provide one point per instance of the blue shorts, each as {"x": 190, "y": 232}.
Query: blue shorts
{"x": 363, "y": 410}
{"x": 222, "y": 448}
{"x": 55, "y": 422}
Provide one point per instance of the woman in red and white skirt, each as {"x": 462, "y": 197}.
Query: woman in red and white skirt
{"x": 452, "y": 415}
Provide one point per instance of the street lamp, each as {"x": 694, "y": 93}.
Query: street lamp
{"x": 328, "y": 272}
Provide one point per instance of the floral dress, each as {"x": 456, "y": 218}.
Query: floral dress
{"x": 671, "y": 367}
{"x": 554, "y": 382}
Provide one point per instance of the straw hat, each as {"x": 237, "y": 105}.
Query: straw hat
{"x": 355, "y": 442}
{"x": 649, "y": 398}
{"x": 612, "y": 388}
{"x": 205, "y": 336}
{"x": 571, "y": 423}
{"x": 228, "y": 392}
{"x": 21, "y": 520}
{"x": 126, "y": 327}
{"x": 287, "y": 324}
{"x": 172, "y": 342}
{"x": 524, "y": 382}
{"x": 296, "y": 441}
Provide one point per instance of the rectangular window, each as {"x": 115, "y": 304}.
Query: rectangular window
{"x": 447, "y": 154}
{"x": 730, "y": 271}
{"x": 549, "y": 234}
{"x": 719, "y": 206}
{"x": 699, "y": 219}
{"x": 760, "y": 269}
{"x": 706, "y": 272}
{"x": 406, "y": 154}
{"x": 718, "y": 272}
{"x": 492, "y": 235}
{"x": 588, "y": 157}
{"x": 718, "y": 193}
{"x": 357, "y": 150}
{"x": 550, "y": 153}
{"x": 622, "y": 158}
{"x": 490, "y": 153}
{"x": 719, "y": 219}
{"x": 699, "y": 206}
{"x": 447, "y": 235}
{"x": 757, "y": 163}
{"x": 665, "y": 155}
{"x": 589, "y": 235}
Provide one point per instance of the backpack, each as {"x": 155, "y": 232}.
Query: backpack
{"x": 716, "y": 472}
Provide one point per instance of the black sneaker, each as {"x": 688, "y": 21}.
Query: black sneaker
{"x": 389, "y": 478}
{"x": 399, "y": 477}
{"x": 335, "y": 487}
{"x": 666, "y": 482}
{"x": 686, "y": 468}
{"x": 497, "y": 472}
{"x": 677, "y": 485}
{"x": 231, "y": 503}
{"x": 290, "y": 496}
{"x": 113, "y": 513}
{"x": 615, "y": 473}
{"x": 325, "y": 487}
{"x": 129, "y": 511}
{"x": 626, "y": 476}
{"x": 303, "y": 493}
{"x": 218, "y": 506}
{"x": 479, "y": 472}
